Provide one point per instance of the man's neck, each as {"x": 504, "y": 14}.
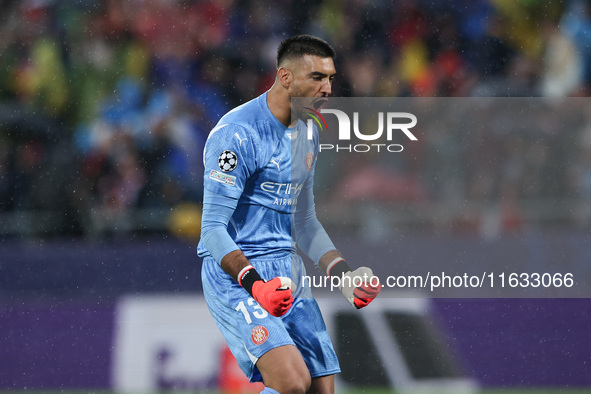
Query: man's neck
{"x": 279, "y": 103}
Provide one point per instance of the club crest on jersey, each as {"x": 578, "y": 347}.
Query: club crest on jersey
{"x": 227, "y": 161}
{"x": 309, "y": 160}
{"x": 259, "y": 335}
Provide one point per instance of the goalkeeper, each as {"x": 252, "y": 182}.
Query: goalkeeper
{"x": 258, "y": 166}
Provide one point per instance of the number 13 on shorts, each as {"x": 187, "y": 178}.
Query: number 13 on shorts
{"x": 257, "y": 311}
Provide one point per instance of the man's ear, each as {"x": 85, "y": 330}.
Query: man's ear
{"x": 285, "y": 77}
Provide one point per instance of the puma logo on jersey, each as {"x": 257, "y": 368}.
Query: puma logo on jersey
{"x": 239, "y": 139}
{"x": 276, "y": 162}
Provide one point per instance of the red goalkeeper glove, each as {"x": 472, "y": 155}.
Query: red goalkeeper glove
{"x": 274, "y": 296}
{"x": 359, "y": 287}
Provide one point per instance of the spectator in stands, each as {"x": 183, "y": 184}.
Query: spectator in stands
{"x": 158, "y": 75}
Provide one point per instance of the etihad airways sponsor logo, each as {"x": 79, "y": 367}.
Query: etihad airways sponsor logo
{"x": 282, "y": 188}
{"x": 285, "y": 193}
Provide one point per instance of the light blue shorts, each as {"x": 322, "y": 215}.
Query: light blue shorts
{"x": 251, "y": 332}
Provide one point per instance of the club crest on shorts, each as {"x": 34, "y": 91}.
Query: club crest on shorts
{"x": 309, "y": 160}
{"x": 227, "y": 161}
{"x": 259, "y": 335}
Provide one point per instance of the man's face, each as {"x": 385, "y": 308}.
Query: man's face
{"x": 312, "y": 77}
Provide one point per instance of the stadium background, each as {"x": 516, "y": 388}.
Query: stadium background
{"x": 104, "y": 109}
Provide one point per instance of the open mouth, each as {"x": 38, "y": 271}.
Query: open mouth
{"x": 319, "y": 102}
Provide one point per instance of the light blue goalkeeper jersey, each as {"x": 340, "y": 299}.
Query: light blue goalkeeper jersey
{"x": 251, "y": 156}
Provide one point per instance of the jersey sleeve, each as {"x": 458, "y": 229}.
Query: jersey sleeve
{"x": 310, "y": 235}
{"x": 217, "y": 211}
{"x": 229, "y": 159}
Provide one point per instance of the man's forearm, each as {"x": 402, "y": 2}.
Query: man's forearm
{"x": 234, "y": 262}
{"x": 327, "y": 259}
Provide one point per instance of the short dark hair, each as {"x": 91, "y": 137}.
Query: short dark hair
{"x": 303, "y": 44}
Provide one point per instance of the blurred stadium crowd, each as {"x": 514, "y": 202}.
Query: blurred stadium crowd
{"x": 105, "y": 105}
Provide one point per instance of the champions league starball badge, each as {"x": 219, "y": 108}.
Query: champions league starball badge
{"x": 227, "y": 161}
